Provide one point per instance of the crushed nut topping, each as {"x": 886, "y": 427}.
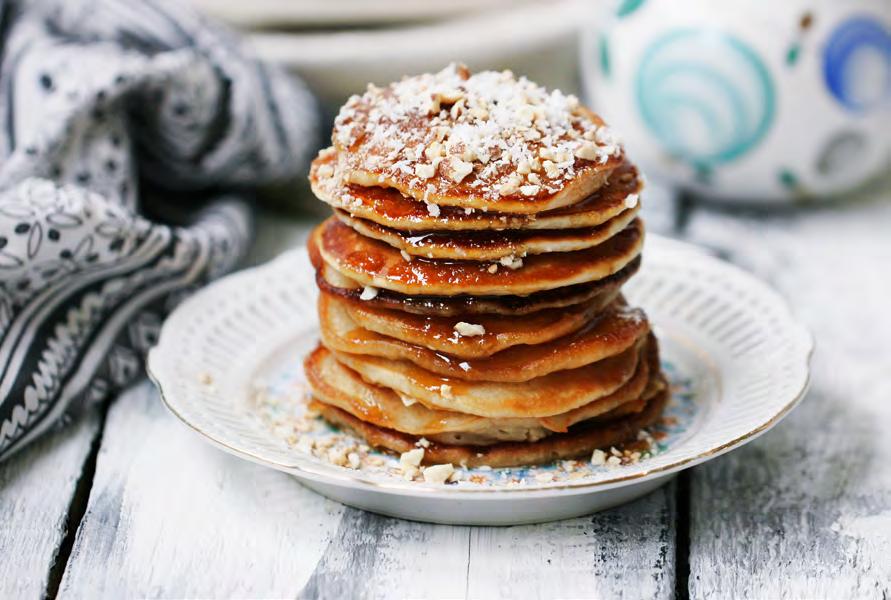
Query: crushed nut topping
{"x": 469, "y": 329}
{"x": 482, "y": 130}
{"x": 438, "y": 473}
{"x": 368, "y": 293}
{"x": 511, "y": 262}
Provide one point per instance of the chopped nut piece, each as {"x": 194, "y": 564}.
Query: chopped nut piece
{"x": 511, "y": 262}
{"x": 432, "y": 209}
{"x": 325, "y": 171}
{"x": 511, "y": 186}
{"x": 457, "y": 109}
{"x": 405, "y": 255}
{"x": 368, "y": 293}
{"x": 338, "y": 456}
{"x": 545, "y": 477}
{"x": 493, "y": 268}
{"x": 438, "y": 473}
{"x": 598, "y": 458}
{"x": 614, "y": 461}
{"x": 529, "y": 190}
{"x": 524, "y": 167}
{"x": 631, "y": 200}
{"x": 305, "y": 444}
{"x": 434, "y": 150}
{"x": 551, "y": 169}
{"x": 469, "y": 329}
{"x": 412, "y": 458}
{"x": 425, "y": 171}
{"x": 588, "y": 151}
{"x": 459, "y": 169}
{"x": 423, "y": 443}
{"x": 354, "y": 461}
{"x": 450, "y": 96}
{"x": 478, "y": 112}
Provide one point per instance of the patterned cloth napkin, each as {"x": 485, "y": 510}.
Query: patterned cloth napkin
{"x": 131, "y": 132}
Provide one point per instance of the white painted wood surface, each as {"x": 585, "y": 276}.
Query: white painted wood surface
{"x": 805, "y": 511}
{"x": 36, "y": 489}
{"x": 170, "y": 516}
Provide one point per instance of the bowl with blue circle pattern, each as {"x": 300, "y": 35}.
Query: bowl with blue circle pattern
{"x": 745, "y": 100}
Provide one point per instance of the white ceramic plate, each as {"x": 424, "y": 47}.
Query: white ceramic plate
{"x": 228, "y": 364}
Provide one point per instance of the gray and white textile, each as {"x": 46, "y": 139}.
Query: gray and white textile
{"x": 131, "y": 133}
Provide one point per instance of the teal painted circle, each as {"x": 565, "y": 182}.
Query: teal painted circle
{"x": 626, "y": 7}
{"x": 705, "y": 95}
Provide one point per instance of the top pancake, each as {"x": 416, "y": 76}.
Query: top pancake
{"x": 388, "y": 207}
{"x": 485, "y": 141}
{"x": 379, "y": 265}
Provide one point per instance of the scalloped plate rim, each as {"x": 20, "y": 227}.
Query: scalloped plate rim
{"x": 338, "y": 476}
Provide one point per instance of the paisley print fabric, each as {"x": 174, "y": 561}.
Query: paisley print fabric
{"x": 131, "y": 134}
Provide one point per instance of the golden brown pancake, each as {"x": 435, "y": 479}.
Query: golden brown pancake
{"x": 602, "y": 292}
{"x": 389, "y": 208}
{"x": 545, "y": 396}
{"x": 501, "y": 332}
{"x": 490, "y": 245}
{"x": 337, "y": 385}
{"x": 611, "y": 333}
{"x": 485, "y": 141}
{"x": 581, "y": 440}
{"x": 376, "y": 264}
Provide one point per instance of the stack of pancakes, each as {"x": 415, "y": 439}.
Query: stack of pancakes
{"x": 471, "y": 275}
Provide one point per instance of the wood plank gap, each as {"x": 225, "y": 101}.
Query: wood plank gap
{"x": 682, "y": 546}
{"x": 76, "y": 509}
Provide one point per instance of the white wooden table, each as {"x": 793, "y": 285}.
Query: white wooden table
{"x": 129, "y": 503}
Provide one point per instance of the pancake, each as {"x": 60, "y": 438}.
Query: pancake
{"x": 601, "y": 292}
{"x": 490, "y": 245}
{"x": 501, "y": 332}
{"x": 630, "y": 398}
{"x": 389, "y": 208}
{"x": 484, "y": 141}
{"x": 612, "y": 332}
{"x": 545, "y": 396}
{"x": 337, "y": 385}
{"x": 581, "y": 440}
{"x": 373, "y": 263}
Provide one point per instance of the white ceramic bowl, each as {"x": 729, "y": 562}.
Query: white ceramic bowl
{"x": 746, "y": 99}
{"x": 228, "y": 363}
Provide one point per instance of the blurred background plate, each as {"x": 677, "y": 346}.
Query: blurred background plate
{"x": 313, "y": 13}
{"x": 338, "y": 48}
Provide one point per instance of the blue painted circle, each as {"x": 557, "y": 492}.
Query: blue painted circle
{"x": 857, "y": 64}
{"x": 705, "y": 95}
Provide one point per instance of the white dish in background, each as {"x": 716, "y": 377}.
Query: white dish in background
{"x": 284, "y": 14}
{"x": 228, "y": 363}
{"x": 536, "y": 39}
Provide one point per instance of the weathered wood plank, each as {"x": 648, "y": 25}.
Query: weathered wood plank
{"x": 379, "y": 557}
{"x": 171, "y": 516}
{"x": 805, "y": 511}
{"x": 36, "y": 490}
{"x": 626, "y": 552}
